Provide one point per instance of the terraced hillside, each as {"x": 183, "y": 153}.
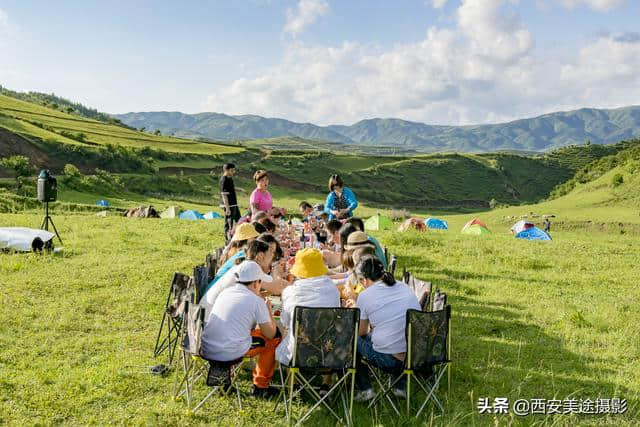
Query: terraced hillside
{"x": 47, "y": 124}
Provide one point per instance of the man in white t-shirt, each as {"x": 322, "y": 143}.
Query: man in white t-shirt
{"x": 230, "y": 332}
{"x": 383, "y": 307}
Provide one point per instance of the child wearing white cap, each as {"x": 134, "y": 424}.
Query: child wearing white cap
{"x": 231, "y": 332}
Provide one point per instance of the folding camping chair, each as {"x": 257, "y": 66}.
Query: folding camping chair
{"x": 212, "y": 261}
{"x": 181, "y": 291}
{"x": 393, "y": 261}
{"x": 201, "y": 280}
{"x": 325, "y": 342}
{"x": 428, "y": 349}
{"x": 220, "y": 376}
{"x": 421, "y": 289}
{"x": 439, "y": 300}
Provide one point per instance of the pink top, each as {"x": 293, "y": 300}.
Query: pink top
{"x": 262, "y": 199}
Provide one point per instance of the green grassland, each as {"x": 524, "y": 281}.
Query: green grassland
{"x": 530, "y": 320}
{"x": 30, "y": 119}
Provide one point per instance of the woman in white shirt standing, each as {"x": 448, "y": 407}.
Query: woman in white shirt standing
{"x": 383, "y": 306}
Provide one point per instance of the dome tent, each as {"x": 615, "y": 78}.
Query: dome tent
{"x": 475, "y": 221}
{"x": 171, "y": 212}
{"x": 191, "y": 215}
{"x": 378, "y": 222}
{"x": 476, "y": 230}
{"x": 413, "y": 223}
{"x": 475, "y": 227}
{"x": 521, "y": 226}
{"x": 436, "y": 223}
{"x": 103, "y": 203}
{"x": 212, "y": 215}
{"x": 533, "y": 233}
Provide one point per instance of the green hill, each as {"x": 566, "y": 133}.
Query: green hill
{"x": 169, "y": 167}
{"x": 37, "y": 122}
{"x": 545, "y": 132}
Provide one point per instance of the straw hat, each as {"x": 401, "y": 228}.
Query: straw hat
{"x": 309, "y": 263}
{"x": 357, "y": 239}
{"x": 244, "y": 231}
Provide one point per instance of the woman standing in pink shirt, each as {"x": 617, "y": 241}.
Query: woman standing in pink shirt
{"x": 261, "y": 199}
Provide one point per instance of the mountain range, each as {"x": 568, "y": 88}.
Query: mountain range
{"x": 549, "y": 131}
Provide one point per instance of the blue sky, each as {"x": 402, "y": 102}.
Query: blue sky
{"x": 324, "y": 61}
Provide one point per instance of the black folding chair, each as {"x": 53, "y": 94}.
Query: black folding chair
{"x": 421, "y": 289}
{"x": 220, "y": 376}
{"x": 325, "y": 344}
{"x": 428, "y": 348}
{"x": 201, "y": 280}
{"x": 439, "y": 300}
{"x": 393, "y": 261}
{"x": 212, "y": 261}
{"x": 181, "y": 291}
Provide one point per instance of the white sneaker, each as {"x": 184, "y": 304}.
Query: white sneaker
{"x": 399, "y": 393}
{"x": 365, "y": 395}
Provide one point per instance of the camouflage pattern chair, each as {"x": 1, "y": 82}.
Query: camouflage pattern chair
{"x": 325, "y": 342}
{"x": 428, "y": 349}
{"x": 200, "y": 278}
{"x": 439, "y": 300}
{"x": 421, "y": 289}
{"x": 220, "y": 376}
{"x": 181, "y": 291}
{"x": 393, "y": 262}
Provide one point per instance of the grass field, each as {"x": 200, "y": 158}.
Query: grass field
{"x": 530, "y": 320}
{"x": 30, "y": 119}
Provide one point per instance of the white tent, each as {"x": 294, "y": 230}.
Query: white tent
{"x": 23, "y": 239}
{"x": 171, "y": 212}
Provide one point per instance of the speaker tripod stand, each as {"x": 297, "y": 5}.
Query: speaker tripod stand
{"x": 47, "y": 219}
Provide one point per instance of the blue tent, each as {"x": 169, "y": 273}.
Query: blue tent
{"x": 191, "y": 214}
{"x": 436, "y": 223}
{"x": 212, "y": 215}
{"x": 103, "y": 202}
{"x": 533, "y": 233}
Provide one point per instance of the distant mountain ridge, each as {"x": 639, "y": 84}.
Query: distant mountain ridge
{"x": 600, "y": 126}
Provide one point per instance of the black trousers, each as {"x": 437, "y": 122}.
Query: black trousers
{"x": 230, "y": 222}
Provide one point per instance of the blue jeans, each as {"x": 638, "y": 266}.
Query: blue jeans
{"x": 384, "y": 361}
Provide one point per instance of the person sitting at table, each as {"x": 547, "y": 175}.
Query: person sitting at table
{"x": 345, "y": 231}
{"x": 383, "y": 306}
{"x": 341, "y": 201}
{"x": 244, "y": 234}
{"x": 331, "y": 252}
{"x": 313, "y": 288}
{"x": 306, "y": 210}
{"x": 260, "y": 199}
{"x": 346, "y": 282}
{"x": 230, "y": 331}
{"x": 359, "y": 224}
{"x": 264, "y": 251}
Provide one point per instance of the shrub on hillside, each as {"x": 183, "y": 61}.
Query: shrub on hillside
{"x": 20, "y": 167}
{"x": 617, "y": 180}
{"x": 72, "y": 175}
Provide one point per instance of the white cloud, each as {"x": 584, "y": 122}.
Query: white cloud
{"x": 594, "y": 4}
{"x": 437, "y": 3}
{"x": 307, "y": 12}
{"x": 485, "y": 69}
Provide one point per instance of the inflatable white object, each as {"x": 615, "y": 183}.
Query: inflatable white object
{"x": 22, "y": 239}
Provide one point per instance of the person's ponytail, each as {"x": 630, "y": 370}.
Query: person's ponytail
{"x": 372, "y": 268}
{"x": 388, "y": 279}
